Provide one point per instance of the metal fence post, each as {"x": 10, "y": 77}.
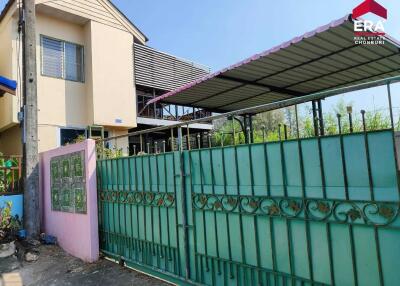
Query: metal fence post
{"x": 184, "y": 208}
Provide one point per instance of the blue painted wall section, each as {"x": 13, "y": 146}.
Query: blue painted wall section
{"x": 17, "y": 204}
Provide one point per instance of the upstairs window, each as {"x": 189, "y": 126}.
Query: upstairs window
{"x": 62, "y": 59}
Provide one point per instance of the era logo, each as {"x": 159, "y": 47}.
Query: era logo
{"x": 369, "y": 6}
{"x": 367, "y": 27}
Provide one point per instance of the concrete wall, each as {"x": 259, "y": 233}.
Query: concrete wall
{"x": 77, "y": 234}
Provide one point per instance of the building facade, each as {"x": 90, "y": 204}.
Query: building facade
{"x": 85, "y": 72}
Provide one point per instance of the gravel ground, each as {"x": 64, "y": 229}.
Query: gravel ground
{"x": 56, "y": 268}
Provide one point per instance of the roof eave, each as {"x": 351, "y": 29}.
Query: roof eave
{"x": 129, "y": 21}
{"x": 135, "y": 28}
{"x": 6, "y": 9}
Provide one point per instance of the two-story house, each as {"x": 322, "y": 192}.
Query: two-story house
{"x": 86, "y": 66}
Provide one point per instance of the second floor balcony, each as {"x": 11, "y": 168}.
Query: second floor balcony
{"x": 171, "y": 112}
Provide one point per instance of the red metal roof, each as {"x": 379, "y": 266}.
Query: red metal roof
{"x": 322, "y": 59}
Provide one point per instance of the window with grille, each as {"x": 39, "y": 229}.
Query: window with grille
{"x": 62, "y": 59}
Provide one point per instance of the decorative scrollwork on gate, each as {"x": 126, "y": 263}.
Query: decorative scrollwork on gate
{"x": 329, "y": 210}
{"x": 153, "y": 199}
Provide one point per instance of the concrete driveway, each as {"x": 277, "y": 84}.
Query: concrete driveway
{"x": 56, "y": 268}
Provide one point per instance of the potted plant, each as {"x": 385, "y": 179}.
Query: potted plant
{"x": 9, "y": 226}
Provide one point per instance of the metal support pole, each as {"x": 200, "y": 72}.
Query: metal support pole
{"x": 198, "y": 141}
{"x": 279, "y": 132}
{"x": 351, "y": 122}
{"x": 263, "y": 128}
{"x": 188, "y": 138}
{"x": 30, "y": 135}
{"x": 350, "y": 114}
{"x": 246, "y": 139}
{"x": 315, "y": 118}
{"x": 248, "y": 125}
{"x": 339, "y": 123}
{"x": 297, "y": 121}
{"x": 251, "y": 128}
{"x": 233, "y": 131}
{"x": 155, "y": 104}
{"x": 183, "y": 205}
{"x": 363, "y": 121}
{"x": 321, "y": 118}
{"x": 172, "y": 140}
{"x": 392, "y": 122}
{"x": 390, "y": 105}
{"x": 285, "y": 131}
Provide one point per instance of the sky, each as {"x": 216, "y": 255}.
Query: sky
{"x": 218, "y": 33}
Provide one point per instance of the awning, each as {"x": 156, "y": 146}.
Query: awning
{"x": 7, "y": 85}
{"x": 323, "y": 59}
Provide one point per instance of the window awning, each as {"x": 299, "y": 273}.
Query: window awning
{"x": 7, "y": 85}
{"x": 320, "y": 60}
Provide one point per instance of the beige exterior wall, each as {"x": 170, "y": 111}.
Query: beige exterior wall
{"x": 48, "y": 138}
{"x": 114, "y": 95}
{"x": 60, "y": 102}
{"x": 107, "y": 97}
{"x": 10, "y": 141}
{"x": 8, "y": 67}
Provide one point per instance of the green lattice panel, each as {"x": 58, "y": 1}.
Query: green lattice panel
{"x": 68, "y": 183}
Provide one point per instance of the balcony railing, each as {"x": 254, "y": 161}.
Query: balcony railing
{"x": 10, "y": 175}
{"x": 171, "y": 112}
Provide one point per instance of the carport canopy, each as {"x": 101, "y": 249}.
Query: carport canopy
{"x": 323, "y": 59}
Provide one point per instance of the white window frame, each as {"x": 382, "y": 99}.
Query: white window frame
{"x": 63, "y": 64}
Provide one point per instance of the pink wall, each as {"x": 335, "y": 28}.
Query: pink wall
{"x": 77, "y": 234}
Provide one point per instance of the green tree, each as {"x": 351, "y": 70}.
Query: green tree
{"x": 266, "y": 124}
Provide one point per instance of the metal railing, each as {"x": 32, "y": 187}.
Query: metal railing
{"x": 10, "y": 175}
{"x": 171, "y": 112}
{"x": 183, "y": 139}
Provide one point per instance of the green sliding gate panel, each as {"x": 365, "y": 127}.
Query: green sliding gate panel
{"x": 318, "y": 211}
{"x": 138, "y": 214}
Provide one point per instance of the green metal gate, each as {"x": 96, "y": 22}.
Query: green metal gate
{"x": 318, "y": 211}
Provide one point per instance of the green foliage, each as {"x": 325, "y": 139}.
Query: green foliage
{"x": 79, "y": 139}
{"x": 102, "y": 151}
{"x": 8, "y": 223}
{"x": 108, "y": 153}
{"x": 6, "y": 174}
{"x": 377, "y": 120}
{"x": 266, "y": 125}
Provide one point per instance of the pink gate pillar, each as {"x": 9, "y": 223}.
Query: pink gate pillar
{"x": 76, "y": 232}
